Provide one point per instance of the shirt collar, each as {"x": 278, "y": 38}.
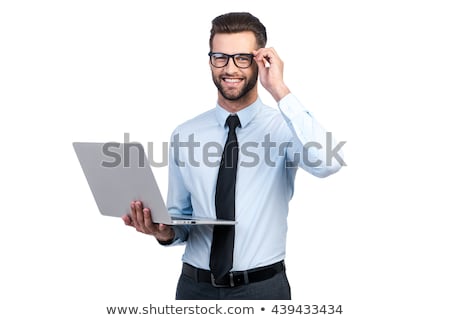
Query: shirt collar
{"x": 245, "y": 115}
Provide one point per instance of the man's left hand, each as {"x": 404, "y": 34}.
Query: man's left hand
{"x": 271, "y": 72}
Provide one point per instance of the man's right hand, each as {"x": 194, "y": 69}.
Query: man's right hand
{"x": 141, "y": 219}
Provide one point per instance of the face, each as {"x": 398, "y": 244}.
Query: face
{"x": 235, "y": 84}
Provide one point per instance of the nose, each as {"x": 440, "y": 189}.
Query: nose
{"x": 231, "y": 66}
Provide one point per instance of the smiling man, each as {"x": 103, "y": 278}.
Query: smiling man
{"x": 245, "y": 261}
{"x": 236, "y": 81}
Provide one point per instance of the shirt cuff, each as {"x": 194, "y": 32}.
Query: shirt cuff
{"x": 181, "y": 233}
{"x": 291, "y": 107}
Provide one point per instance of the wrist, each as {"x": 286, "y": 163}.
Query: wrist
{"x": 280, "y": 92}
{"x": 165, "y": 240}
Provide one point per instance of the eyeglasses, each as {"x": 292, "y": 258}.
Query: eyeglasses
{"x": 220, "y": 60}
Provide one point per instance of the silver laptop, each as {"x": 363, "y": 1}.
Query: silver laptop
{"x": 119, "y": 173}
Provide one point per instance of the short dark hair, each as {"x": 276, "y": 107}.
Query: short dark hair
{"x": 235, "y": 22}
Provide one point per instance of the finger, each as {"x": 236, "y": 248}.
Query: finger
{"x": 150, "y": 227}
{"x": 266, "y": 55}
{"x": 139, "y": 214}
{"x": 127, "y": 220}
{"x": 133, "y": 213}
{"x": 260, "y": 63}
{"x": 264, "y": 62}
{"x": 259, "y": 57}
{"x": 164, "y": 227}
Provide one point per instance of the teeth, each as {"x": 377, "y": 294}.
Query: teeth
{"x": 232, "y": 80}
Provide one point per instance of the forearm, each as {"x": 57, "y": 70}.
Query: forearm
{"x": 317, "y": 151}
{"x": 279, "y": 92}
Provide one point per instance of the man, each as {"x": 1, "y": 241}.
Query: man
{"x": 244, "y": 261}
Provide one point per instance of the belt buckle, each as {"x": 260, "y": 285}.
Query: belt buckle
{"x": 229, "y": 285}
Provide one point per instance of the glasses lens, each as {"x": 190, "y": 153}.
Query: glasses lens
{"x": 243, "y": 61}
{"x": 219, "y": 60}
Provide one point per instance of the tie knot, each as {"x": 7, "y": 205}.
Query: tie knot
{"x": 233, "y": 121}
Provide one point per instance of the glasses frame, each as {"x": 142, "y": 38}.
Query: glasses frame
{"x": 233, "y": 56}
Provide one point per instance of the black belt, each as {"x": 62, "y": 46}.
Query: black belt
{"x": 235, "y": 278}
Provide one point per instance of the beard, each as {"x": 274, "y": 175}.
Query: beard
{"x": 234, "y": 95}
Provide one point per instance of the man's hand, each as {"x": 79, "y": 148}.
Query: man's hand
{"x": 141, "y": 219}
{"x": 270, "y": 69}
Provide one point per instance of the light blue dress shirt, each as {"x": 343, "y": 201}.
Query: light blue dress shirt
{"x": 273, "y": 145}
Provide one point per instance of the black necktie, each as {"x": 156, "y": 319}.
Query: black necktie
{"x": 221, "y": 260}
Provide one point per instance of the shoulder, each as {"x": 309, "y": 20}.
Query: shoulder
{"x": 197, "y": 123}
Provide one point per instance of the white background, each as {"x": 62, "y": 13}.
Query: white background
{"x": 373, "y": 237}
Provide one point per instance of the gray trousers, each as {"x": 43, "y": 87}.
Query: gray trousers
{"x": 275, "y": 288}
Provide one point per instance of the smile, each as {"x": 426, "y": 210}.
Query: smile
{"x": 232, "y": 80}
